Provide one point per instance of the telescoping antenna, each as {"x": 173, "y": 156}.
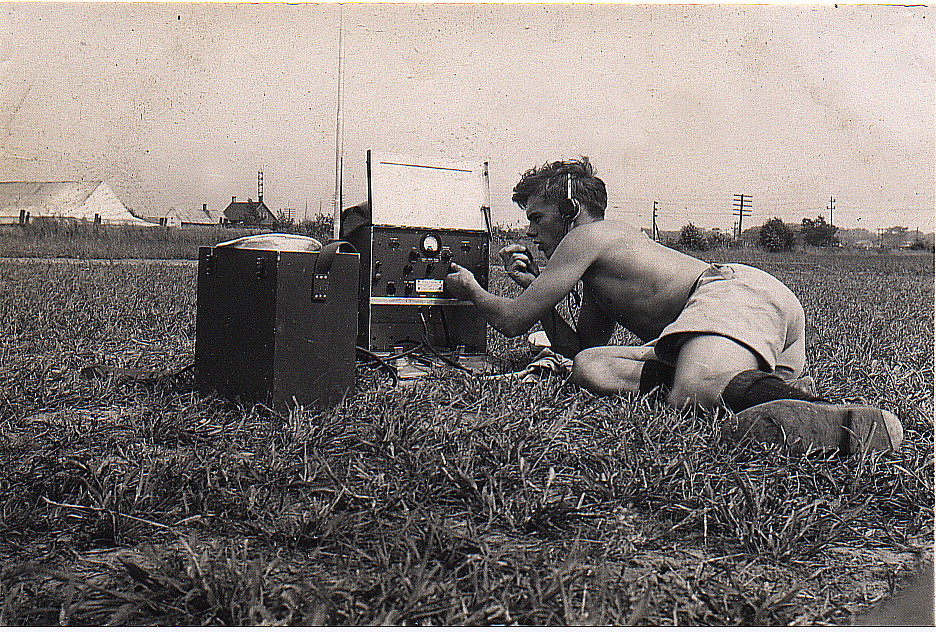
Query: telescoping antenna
{"x": 339, "y": 130}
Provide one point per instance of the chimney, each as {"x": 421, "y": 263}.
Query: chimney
{"x": 260, "y": 186}
{"x": 204, "y": 207}
{"x": 233, "y": 199}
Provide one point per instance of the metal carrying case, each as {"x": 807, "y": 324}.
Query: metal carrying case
{"x": 277, "y": 327}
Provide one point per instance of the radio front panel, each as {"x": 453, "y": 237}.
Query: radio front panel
{"x": 402, "y": 295}
{"x": 411, "y": 263}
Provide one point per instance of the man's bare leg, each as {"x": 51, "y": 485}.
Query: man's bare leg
{"x": 611, "y": 370}
{"x": 714, "y": 369}
{"x": 711, "y": 370}
{"x": 704, "y": 367}
{"x": 706, "y": 364}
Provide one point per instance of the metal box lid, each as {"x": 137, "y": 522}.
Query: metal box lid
{"x": 419, "y": 192}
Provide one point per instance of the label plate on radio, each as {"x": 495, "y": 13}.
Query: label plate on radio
{"x": 429, "y": 286}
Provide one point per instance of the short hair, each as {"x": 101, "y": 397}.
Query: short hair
{"x": 551, "y": 181}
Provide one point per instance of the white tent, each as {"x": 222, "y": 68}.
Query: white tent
{"x": 91, "y": 201}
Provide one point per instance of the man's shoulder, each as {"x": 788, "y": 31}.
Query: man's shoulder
{"x": 606, "y": 231}
{"x": 600, "y": 240}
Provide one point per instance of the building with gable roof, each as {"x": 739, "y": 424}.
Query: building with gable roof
{"x": 185, "y": 218}
{"x": 249, "y": 213}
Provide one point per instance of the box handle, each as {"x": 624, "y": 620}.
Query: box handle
{"x": 327, "y": 254}
{"x": 323, "y": 265}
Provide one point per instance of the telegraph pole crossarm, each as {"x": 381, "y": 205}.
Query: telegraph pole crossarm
{"x": 742, "y": 208}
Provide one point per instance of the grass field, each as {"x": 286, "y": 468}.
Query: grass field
{"x": 50, "y": 237}
{"x": 456, "y": 502}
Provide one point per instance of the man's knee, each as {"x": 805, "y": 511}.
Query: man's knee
{"x": 588, "y": 367}
{"x": 606, "y": 370}
{"x": 704, "y": 367}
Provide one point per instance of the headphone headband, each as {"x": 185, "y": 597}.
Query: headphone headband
{"x": 569, "y": 207}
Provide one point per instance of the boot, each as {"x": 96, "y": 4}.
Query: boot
{"x": 801, "y": 426}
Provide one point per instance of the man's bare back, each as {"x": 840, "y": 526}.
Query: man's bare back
{"x": 639, "y": 283}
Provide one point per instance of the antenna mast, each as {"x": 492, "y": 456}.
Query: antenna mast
{"x": 339, "y": 129}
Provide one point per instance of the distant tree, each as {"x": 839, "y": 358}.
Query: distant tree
{"x": 319, "y": 226}
{"x": 775, "y": 236}
{"x": 718, "y": 239}
{"x": 692, "y": 238}
{"x": 508, "y": 234}
{"x": 284, "y": 219}
{"x": 816, "y": 232}
{"x": 894, "y": 237}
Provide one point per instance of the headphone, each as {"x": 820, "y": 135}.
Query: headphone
{"x": 569, "y": 208}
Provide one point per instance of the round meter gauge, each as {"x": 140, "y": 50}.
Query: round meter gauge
{"x": 430, "y": 245}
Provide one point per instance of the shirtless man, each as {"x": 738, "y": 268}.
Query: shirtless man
{"x": 715, "y": 334}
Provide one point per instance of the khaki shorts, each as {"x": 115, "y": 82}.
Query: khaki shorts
{"x": 749, "y": 306}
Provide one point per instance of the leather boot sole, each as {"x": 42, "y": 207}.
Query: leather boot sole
{"x": 801, "y": 426}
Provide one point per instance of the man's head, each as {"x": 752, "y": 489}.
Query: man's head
{"x": 550, "y": 183}
{"x": 543, "y": 191}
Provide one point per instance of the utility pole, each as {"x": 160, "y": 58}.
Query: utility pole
{"x": 831, "y": 208}
{"x": 742, "y": 207}
{"x": 654, "y": 229}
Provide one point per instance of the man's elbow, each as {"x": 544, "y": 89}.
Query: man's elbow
{"x": 510, "y": 329}
{"x": 512, "y": 325}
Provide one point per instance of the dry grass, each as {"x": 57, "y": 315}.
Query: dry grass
{"x": 55, "y": 237}
{"x": 457, "y": 502}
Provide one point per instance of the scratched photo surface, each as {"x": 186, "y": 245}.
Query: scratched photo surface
{"x": 133, "y": 134}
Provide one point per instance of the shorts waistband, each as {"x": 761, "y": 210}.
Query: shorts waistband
{"x": 722, "y": 270}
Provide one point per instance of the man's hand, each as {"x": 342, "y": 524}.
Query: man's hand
{"x": 519, "y": 264}
{"x": 458, "y": 281}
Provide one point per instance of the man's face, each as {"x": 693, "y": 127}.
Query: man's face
{"x": 547, "y": 226}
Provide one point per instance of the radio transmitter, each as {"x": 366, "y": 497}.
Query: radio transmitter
{"x": 421, "y": 214}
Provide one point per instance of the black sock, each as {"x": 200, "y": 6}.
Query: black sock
{"x": 753, "y": 387}
{"x": 656, "y": 375}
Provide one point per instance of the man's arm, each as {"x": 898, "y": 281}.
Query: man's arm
{"x": 520, "y": 265}
{"x": 563, "y": 339}
{"x": 594, "y": 329}
{"x": 513, "y": 317}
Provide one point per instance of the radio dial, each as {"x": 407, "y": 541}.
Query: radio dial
{"x": 430, "y": 245}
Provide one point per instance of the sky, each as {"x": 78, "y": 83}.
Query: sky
{"x": 179, "y": 105}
